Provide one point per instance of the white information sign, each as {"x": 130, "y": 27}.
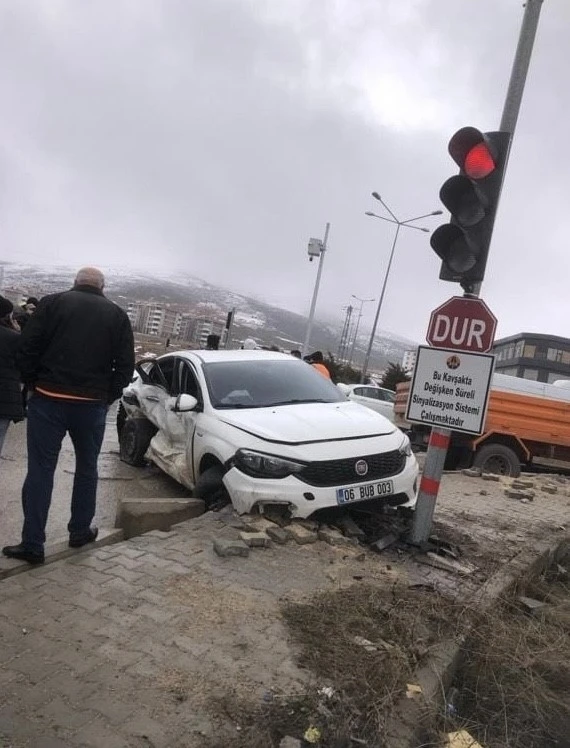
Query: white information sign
{"x": 450, "y": 389}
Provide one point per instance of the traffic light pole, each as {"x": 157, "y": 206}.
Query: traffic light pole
{"x": 440, "y": 438}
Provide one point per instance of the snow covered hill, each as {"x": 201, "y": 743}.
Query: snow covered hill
{"x": 268, "y": 324}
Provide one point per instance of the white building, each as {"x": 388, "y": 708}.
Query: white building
{"x": 409, "y": 360}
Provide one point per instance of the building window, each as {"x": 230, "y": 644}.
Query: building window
{"x": 519, "y": 348}
{"x": 529, "y": 351}
{"x": 510, "y": 371}
{"x": 530, "y": 374}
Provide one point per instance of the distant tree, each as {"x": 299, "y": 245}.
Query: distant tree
{"x": 394, "y": 374}
{"x": 341, "y": 372}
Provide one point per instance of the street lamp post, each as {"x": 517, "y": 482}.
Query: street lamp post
{"x": 407, "y": 224}
{"x": 316, "y": 248}
{"x": 362, "y": 303}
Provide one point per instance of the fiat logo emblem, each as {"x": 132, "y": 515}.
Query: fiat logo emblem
{"x": 361, "y": 467}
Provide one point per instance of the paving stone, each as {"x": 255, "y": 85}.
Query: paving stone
{"x": 228, "y": 547}
{"x": 522, "y": 483}
{"x": 255, "y": 539}
{"x": 491, "y": 476}
{"x": 512, "y": 493}
{"x": 472, "y": 472}
{"x": 334, "y": 537}
{"x": 279, "y": 535}
{"x": 62, "y": 714}
{"x": 110, "y": 707}
{"x": 549, "y": 488}
{"x": 97, "y": 734}
{"x": 301, "y": 535}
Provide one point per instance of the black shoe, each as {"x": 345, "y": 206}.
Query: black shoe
{"x": 23, "y": 554}
{"x": 77, "y": 541}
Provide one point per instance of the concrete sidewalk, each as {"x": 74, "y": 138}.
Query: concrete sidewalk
{"x": 137, "y": 644}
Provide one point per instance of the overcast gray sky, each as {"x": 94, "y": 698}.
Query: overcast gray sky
{"x": 219, "y": 135}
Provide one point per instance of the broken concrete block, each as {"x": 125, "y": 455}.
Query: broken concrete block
{"x": 512, "y": 493}
{"x": 491, "y": 476}
{"x": 549, "y": 488}
{"x": 279, "y": 535}
{"x": 483, "y": 493}
{"x": 472, "y": 472}
{"x": 301, "y": 535}
{"x": 333, "y": 537}
{"x": 310, "y": 524}
{"x": 227, "y": 547}
{"x": 349, "y": 527}
{"x": 522, "y": 483}
{"x": 255, "y": 539}
{"x": 384, "y": 542}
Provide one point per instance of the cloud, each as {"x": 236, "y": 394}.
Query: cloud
{"x": 219, "y": 135}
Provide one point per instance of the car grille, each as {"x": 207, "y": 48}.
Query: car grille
{"x": 342, "y": 472}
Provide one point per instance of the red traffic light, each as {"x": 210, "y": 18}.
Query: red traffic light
{"x": 479, "y": 162}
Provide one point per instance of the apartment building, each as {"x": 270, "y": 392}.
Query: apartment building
{"x": 530, "y": 355}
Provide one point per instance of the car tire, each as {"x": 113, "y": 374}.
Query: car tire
{"x": 121, "y": 419}
{"x": 134, "y": 440}
{"x": 499, "y": 459}
{"x": 209, "y": 483}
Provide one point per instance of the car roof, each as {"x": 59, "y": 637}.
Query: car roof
{"x": 208, "y": 357}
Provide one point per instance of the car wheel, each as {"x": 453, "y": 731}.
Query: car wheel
{"x": 209, "y": 486}
{"x": 499, "y": 459}
{"x": 135, "y": 437}
{"x": 121, "y": 418}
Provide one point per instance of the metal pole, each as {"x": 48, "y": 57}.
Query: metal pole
{"x": 379, "y": 308}
{"x": 315, "y": 292}
{"x": 440, "y": 438}
{"x": 351, "y": 355}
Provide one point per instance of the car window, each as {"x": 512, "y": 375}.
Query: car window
{"x": 388, "y": 396}
{"x": 162, "y": 372}
{"x": 263, "y": 384}
{"x": 188, "y": 382}
{"x": 360, "y": 391}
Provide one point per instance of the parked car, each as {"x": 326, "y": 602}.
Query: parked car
{"x": 267, "y": 428}
{"x": 378, "y": 398}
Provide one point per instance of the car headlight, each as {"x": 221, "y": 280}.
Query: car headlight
{"x": 405, "y": 447}
{"x": 259, "y": 465}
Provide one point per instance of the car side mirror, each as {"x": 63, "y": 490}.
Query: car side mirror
{"x": 184, "y": 404}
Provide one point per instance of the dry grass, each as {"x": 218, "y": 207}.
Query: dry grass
{"x": 402, "y": 623}
{"x": 515, "y": 682}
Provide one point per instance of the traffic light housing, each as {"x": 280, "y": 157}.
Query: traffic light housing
{"x": 472, "y": 197}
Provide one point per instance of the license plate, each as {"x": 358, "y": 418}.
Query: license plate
{"x": 366, "y": 491}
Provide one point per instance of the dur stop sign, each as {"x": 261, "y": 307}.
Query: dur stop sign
{"x": 465, "y": 324}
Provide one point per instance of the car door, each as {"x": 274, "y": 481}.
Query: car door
{"x": 156, "y": 390}
{"x": 182, "y": 426}
{"x": 386, "y": 403}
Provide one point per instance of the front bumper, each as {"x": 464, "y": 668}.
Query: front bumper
{"x": 247, "y": 493}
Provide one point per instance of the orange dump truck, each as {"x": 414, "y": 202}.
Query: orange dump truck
{"x": 526, "y": 421}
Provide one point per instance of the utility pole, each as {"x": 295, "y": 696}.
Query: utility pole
{"x": 316, "y": 247}
{"x": 440, "y": 438}
{"x": 362, "y": 303}
{"x": 341, "y": 354}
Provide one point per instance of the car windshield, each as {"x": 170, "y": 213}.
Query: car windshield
{"x": 263, "y": 384}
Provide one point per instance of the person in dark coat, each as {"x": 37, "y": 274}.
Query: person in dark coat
{"x": 10, "y": 396}
{"x": 76, "y": 355}
{"x": 25, "y": 311}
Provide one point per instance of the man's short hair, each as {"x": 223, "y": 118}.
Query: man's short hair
{"x": 90, "y": 277}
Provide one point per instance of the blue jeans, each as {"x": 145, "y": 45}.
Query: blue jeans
{"x": 48, "y": 422}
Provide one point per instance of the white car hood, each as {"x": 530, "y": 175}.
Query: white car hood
{"x": 309, "y": 422}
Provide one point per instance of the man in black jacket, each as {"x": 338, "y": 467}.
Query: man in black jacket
{"x": 77, "y": 355}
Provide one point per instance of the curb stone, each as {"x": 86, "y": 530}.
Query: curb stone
{"x": 58, "y": 551}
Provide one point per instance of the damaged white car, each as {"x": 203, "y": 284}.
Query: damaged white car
{"x": 265, "y": 427}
